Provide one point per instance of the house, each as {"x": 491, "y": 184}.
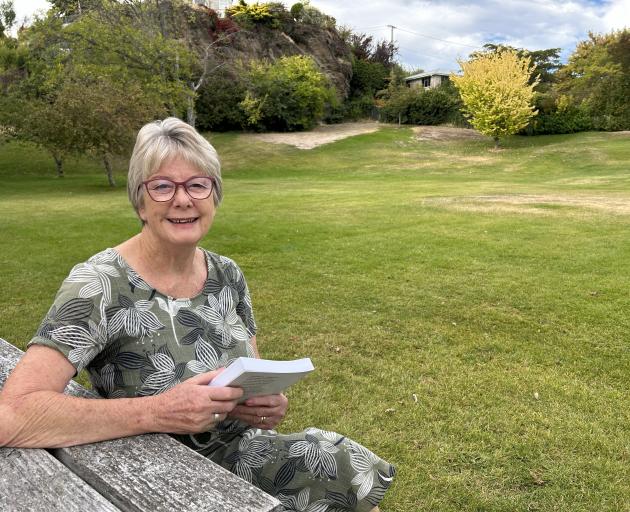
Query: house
{"x": 428, "y": 80}
{"x": 216, "y": 5}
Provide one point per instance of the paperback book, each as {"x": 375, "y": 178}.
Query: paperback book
{"x": 262, "y": 376}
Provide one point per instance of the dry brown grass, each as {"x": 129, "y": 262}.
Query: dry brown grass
{"x": 530, "y": 204}
{"x": 446, "y": 133}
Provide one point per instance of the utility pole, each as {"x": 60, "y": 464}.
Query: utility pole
{"x": 391, "y": 39}
{"x": 391, "y": 43}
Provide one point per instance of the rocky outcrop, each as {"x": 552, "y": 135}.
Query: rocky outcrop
{"x": 324, "y": 45}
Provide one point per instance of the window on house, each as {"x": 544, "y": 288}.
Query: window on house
{"x": 426, "y": 81}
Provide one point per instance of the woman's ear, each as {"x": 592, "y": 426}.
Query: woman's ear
{"x": 142, "y": 215}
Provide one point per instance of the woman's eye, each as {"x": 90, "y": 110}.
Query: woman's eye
{"x": 162, "y": 187}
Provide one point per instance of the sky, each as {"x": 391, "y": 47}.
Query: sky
{"x": 432, "y": 34}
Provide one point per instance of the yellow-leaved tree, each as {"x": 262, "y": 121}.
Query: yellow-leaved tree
{"x": 497, "y": 93}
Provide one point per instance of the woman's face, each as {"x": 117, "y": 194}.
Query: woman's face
{"x": 182, "y": 220}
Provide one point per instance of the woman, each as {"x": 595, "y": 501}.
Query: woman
{"x": 151, "y": 320}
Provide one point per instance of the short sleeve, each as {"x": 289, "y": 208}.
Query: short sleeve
{"x": 244, "y": 308}
{"x": 76, "y": 324}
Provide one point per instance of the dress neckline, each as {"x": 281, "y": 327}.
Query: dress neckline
{"x": 139, "y": 277}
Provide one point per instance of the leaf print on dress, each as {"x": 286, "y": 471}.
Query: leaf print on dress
{"x": 244, "y": 308}
{"x": 104, "y": 381}
{"x": 315, "y": 454}
{"x": 366, "y": 464}
{"x": 206, "y": 357}
{"x": 252, "y": 454}
{"x": 108, "y": 256}
{"x": 172, "y": 307}
{"x": 341, "y": 502}
{"x": 85, "y": 341}
{"x": 299, "y": 502}
{"x": 161, "y": 373}
{"x": 75, "y": 310}
{"x": 95, "y": 277}
{"x": 135, "y": 318}
{"x": 221, "y": 315}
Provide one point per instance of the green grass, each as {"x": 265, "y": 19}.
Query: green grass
{"x": 467, "y": 310}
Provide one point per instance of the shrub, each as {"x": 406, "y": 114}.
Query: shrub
{"x": 367, "y": 77}
{"x": 218, "y": 103}
{"x": 287, "y": 95}
{"x": 431, "y": 107}
{"x": 352, "y": 109}
{"x": 559, "y": 115}
{"x": 314, "y": 16}
{"x": 297, "y": 10}
{"x": 419, "y": 106}
{"x": 249, "y": 15}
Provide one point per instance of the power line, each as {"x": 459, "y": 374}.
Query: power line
{"x": 436, "y": 38}
{"x": 370, "y": 28}
{"x": 392, "y": 27}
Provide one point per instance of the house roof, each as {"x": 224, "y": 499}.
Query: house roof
{"x": 428, "y": 73}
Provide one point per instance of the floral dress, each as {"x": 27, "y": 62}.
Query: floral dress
{"x": 134, "y": 341}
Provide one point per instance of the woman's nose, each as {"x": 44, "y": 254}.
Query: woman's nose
{"x": 181, "y": 196}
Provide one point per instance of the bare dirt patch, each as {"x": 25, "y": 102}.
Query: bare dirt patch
{"x": 531, "y": 204}
{"x": 446, "y": 133}
{"x": 325, "y": 134}
{"x": 319, "y": 135}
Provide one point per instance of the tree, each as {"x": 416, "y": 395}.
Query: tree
{"x": 82, "y": 87}
{"x": 7, "y": 16}
{"x": 287, "y": 95}
{"x": 545, "y": 63}
{"x": 497, "y": 93}
{"x": 597, "y": 78}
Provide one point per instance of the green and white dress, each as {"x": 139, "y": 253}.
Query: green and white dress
{"x": 133, "y": 341}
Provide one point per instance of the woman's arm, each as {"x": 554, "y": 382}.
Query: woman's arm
{"x": 34, "y": 412}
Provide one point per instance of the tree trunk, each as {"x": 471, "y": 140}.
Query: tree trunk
{"x": 108, "y": 169}
{"x": 496, "y": 142}
{"x": 59, "y": 165}
{"x": 191, "y": 115}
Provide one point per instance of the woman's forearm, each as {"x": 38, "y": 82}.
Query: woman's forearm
{"x": 48, "y": 419}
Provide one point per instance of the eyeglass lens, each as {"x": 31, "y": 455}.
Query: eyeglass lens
{"x": 161, "y": 189}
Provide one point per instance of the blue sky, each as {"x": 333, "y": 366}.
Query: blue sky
{"x": 433, "y": 34}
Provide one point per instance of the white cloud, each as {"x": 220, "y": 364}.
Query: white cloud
{"x": 617, "y": 15}
{"x": 531, "y": 24}
{"x": 26, "y": 8}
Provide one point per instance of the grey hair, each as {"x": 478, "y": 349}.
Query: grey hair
{"x": 161, "y": 141}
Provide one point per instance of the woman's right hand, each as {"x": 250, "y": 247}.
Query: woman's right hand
{"x": 193, "y": 407}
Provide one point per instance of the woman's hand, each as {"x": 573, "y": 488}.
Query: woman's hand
{"x": 264, "y": 412}
{"x": 193, "y": 406}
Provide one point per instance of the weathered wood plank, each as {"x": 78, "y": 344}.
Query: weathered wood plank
{"x": 153, "y": 472}
{"x": 158, "y": 473}
{"x": 35, "y": 480}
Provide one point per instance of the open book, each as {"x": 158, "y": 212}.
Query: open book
{"x": 262, "y": 376}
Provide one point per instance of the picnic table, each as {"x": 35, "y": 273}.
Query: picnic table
{"x": 151, "y": 472}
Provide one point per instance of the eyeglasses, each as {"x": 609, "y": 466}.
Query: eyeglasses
{"x": 163, "y": 189}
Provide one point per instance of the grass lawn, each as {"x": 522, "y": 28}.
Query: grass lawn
{"x": 467, "y": 310}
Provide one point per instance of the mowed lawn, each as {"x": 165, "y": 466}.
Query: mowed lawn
{"x": 466, "y": 309}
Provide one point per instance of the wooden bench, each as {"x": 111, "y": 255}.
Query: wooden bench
{"x": 151, "y": 473}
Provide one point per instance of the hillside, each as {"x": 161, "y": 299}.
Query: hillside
{"x": 238, "y": 41}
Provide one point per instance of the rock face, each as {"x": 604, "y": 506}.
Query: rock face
{"x": 324, "y": 45}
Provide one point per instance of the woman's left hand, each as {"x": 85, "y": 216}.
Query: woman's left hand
{"x": 264, "y": 412}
